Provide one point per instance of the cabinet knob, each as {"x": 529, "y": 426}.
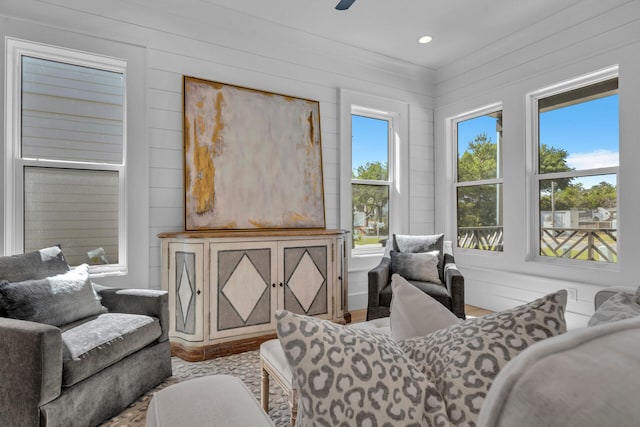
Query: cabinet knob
{"x": 273, "y": 285}
{"x": 339, "y": 277}
{"x": 198, "y": 292}
{"x": 281, "y": 285}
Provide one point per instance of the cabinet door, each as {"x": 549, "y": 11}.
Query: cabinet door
{"x": 306, "y": 277}
{"x": 186, "y": 275}
{"x": 243, "y": 288}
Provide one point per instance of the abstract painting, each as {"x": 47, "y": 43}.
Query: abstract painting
{"x": 253, "y": 159}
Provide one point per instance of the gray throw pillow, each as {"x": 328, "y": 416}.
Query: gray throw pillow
{"x": 421, "y": 243}
{"x": 354, "y": 377}
{"x": 416, "y": 243}
{"x": 419, "y": 266}
{"x": 463, "y": 360}
{"x": 56, "y": 300}
{"x": 46, "y": 262}
{"x": 619, "y": 306}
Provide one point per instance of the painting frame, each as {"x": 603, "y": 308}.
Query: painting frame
{"x": 252, "y": 159}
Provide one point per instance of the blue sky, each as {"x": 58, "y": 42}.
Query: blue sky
{"x": 588, "y": 131}
{"x": 369, "y": 141}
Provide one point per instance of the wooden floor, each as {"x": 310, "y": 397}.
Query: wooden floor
{"x": 470, "y": 310}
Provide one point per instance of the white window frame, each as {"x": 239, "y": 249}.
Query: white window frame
{"x": 14, "y": 164}
{"x": 534, "y": 177}
{"x": 389, "y": 118}
{"x": 452, "y": 125}
{"x": 396, "y": 113}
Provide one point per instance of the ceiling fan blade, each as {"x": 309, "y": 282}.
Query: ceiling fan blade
{"x": 344, "y": 4}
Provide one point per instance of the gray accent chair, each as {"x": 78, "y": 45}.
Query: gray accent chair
{"x": 449, "y": 293}
{"x": 62, "y": 376}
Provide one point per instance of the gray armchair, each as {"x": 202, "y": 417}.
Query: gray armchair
{"x": 449, "y": 292}
{"x": 83, "y": 372}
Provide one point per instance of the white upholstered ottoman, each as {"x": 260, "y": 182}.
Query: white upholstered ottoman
{"x": 213, "y": 401}
{"x": 274, "y": 365}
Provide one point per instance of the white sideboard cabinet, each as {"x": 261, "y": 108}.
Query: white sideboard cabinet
{"x": 225, "y": 286}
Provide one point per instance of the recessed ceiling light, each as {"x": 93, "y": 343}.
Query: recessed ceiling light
{"x": 425, "y": 39}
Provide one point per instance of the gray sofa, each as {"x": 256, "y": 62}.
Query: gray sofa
{"x": 83, "y": 372}
{"x": 587, "y": 377}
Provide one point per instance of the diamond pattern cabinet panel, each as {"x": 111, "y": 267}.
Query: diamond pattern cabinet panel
{"x": 306, "y": 278}
{"x": 243, "y": 298}
{"x": 185, "y": 286}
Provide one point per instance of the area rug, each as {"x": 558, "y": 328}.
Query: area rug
{"x": 245, "y": 366}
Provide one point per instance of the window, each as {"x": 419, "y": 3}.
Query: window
{"x": 374, "y": 173}
{"x": 64, "y": 154}
{"x": 577, "y": 157}
{"x": 370, "y": 179}
{"x": 478, "y": 182}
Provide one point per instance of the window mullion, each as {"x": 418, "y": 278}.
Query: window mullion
{"x": 578, "y": 173}
{"x": 479, "y": 182}
{"x": 369, "y": 182}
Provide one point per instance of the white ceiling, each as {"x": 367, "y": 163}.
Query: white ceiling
{"x": 392, "y": 27}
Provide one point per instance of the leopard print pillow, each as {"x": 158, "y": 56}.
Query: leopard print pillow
{"x": 464, "y": 359}
{"x": 352, "y": 377}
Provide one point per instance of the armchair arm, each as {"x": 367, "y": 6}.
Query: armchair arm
{"x": 149, "y": 302}
{"x": 454, "y": 281}
{"x": 30, "y": 371}
{"x": 378, "y": 278}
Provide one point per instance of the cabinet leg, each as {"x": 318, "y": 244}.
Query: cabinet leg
{"x": 264, "y": 391}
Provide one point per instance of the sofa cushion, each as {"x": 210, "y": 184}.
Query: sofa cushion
{"x": 587, "y": 377}
{"x": 620, "y": 306}
{"x": 354, "y": 377}
{"x": 55, "y": 300}
{"x": 464, "y": 359}
{"x": 419, "y": 266}
{"x": 33, "y": 265}
{"x": 414, "y": 313}
{"x": 94, "y": 344}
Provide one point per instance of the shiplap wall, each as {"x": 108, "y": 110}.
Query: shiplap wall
{"x": 223, "y": 46}
{"x": 590, "y": 36}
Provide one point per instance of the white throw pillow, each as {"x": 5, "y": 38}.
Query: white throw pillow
{"x": 414, "y": 313}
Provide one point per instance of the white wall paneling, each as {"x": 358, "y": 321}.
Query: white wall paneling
{"x": 223, "y": 46}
